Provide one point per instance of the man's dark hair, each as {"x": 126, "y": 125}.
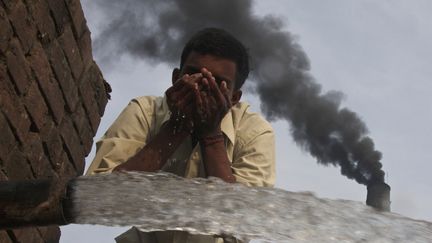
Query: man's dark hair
{"x": 219, "y": 43}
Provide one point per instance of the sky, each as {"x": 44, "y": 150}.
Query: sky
{"x": 376, "y": 52}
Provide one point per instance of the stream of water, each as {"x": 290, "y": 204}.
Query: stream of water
{"x": 163, "y": 201}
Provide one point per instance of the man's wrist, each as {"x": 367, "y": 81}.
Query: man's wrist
{"x": 211, "y": 139}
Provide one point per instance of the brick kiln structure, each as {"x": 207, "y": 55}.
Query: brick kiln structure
{"x": 52, "y": 95}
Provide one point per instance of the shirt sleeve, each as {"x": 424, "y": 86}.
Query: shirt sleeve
{"x": 126, "y": 136}
{"x": 254, "y": 157}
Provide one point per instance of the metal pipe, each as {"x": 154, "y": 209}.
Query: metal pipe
{"x": 378, "y": 196}
{"x": 34, "y": 203}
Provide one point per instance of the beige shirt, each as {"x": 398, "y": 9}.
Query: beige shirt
{"x": 249, "y": 141}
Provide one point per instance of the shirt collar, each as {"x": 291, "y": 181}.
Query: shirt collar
{"x": 227, "y": 125}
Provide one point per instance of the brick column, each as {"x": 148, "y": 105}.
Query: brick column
{"x": 52, "y": 96}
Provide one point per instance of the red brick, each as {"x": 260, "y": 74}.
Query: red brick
{"x": 23, "y": 26}
{"x": 5, "y": 31}
{"x": 63, "y": 74}
{"x": 39, "y": 89}
{"x": 77, "y": 14}
{"x": 50, "y": 88}
{"x": 45, "y": 24}
{"x": 71, "y": 51}
{"x": 17, "y": 167}
{"x": 51, "y": 234}
{"x": 7, "y": 138}
{"x": 37, "y": 158}
{"x": 4, "y": 237}
{"x": 60, "y": 14}
{"x": 84, "y": 130}
{"x": 85, "y": 45}
{"x": 52, "y": 143}
{"x": 36, "y": 106}
{"x": 100, "y": 87}
{"x": 88, "y": 97}
{"x": 67, "y": 170}
{"x": 74, "y": 148}
{"x": 14, "y": 110}
{"x": 39, "y": 63}
{"x": 18, "y": 66}
{"x": 28, "y": 235}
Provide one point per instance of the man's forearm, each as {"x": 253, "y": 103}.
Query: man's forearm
{"x": 215, "y": 158}
{"x": 153, "y": 156}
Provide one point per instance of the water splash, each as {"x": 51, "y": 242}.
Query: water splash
{"x": 163, "y": 201}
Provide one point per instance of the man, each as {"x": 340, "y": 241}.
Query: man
{"x": 199, "y": 129}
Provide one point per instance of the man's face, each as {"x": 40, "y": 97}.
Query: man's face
{"x": 221, "y": 68}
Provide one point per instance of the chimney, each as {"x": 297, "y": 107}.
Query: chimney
{"x": 378, "y": 196}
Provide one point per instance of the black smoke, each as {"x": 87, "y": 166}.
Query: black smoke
{"x": 156, "y": 30}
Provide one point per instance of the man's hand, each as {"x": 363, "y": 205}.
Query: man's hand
{"x": 212, "y": 103}
{"x": 181, "y": 101}
{"x": 153, "y": 156}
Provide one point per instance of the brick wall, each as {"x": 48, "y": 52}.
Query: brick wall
{"x": 52, "y": 95}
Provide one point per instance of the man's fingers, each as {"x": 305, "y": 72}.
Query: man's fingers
{"x": 186, "y": 80}
{"x": 206, "y": 73}
{"x": 225, "y": 92}
{"x": 183, "y": 86}
{"x": 198, "y": 114}
{"x": 179, "y": 83}
{"x": 179, "y": 94}
{"x": 205, "y": 105}
{"x": 209, "y": 83}
{"x": 198, "y": 99}
{"x": 216, "y": 92}
{"x": 186, "y": 100}
{"x": 194, "y": 78}
{"x": 204, "y": 84}
{"x": 191, "y": 80}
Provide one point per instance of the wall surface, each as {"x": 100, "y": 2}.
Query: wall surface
{"x": 52, "y": 96}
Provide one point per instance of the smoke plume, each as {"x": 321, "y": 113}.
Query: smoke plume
{"x": 156, "y": 30}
